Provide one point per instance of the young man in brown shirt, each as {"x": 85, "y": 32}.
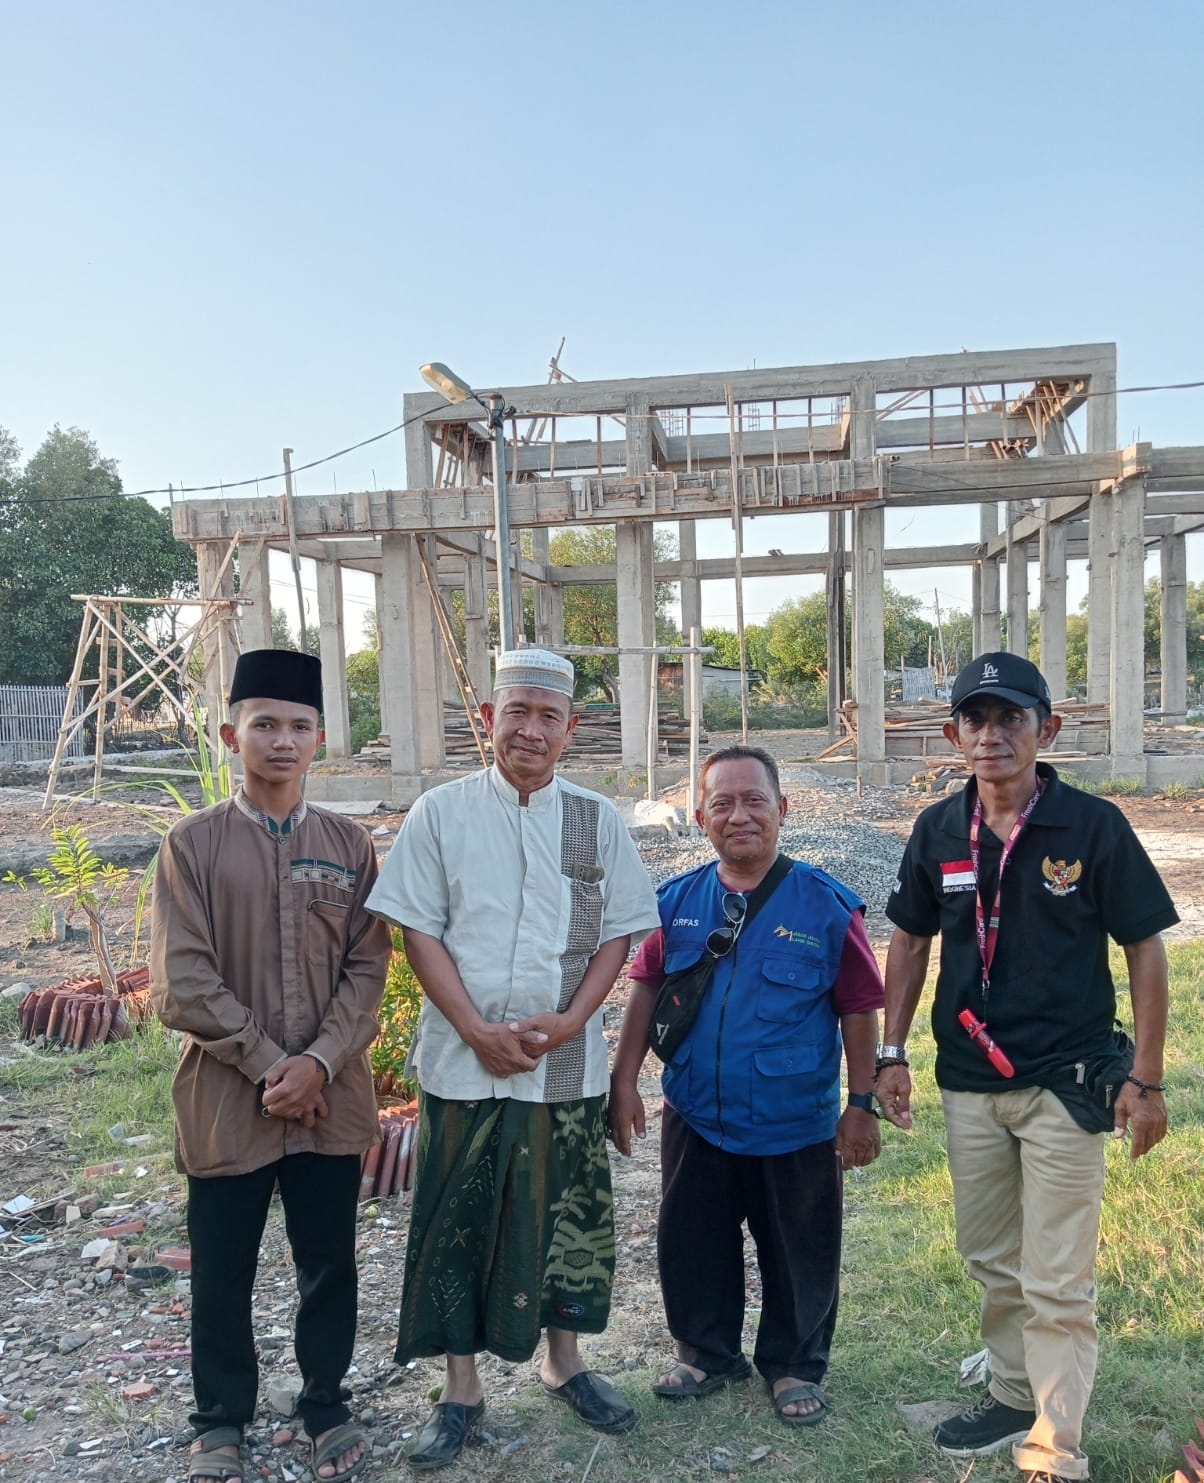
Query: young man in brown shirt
{"x": 263, "y": 954}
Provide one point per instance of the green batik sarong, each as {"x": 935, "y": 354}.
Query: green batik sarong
{"x": 512, "y": 1227}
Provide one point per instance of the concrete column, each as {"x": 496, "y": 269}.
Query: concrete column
{"x": 1100, "y": 552}
{"x": 690, "y": 592}
{"x": 540, "y": 542}
{"x": 556, "y": 615}
{"x": 1053, "y": 607}
{"x": 836, "y": 638}
{"x": 255, "y": 584}
{"x": 1017, "y": 579}
{"x": 988, "y": 631}
{"x": 397, "y": 658}
{"x": 1172, "y": 551}
{"x": 636, "y": 600}
{"x": 382, "y": 678}
{"x": 426, "y": 643}
{"x": 215, "y": 579}
{"x": 869, "y": 539}
{"x": 333, "y": 653}
{"x": 637, "y": 629}
{"x": 1101, "y": 438}
{"x": 476, "y": 622}
{"x": 1127, "y": 660}
{"x": 869, "y": 663}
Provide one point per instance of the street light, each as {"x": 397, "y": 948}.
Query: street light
{"x": 439, "y": 378}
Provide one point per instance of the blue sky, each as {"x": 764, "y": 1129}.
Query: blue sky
{"x": 233, "y": 227}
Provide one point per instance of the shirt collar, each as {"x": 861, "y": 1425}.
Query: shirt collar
{"x": 1050, "y": 808}
{"x": 265, "y": 821}
{"x": 541, "y": 798}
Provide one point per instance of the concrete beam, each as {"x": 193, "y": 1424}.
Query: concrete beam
{"x": 906, "y": 373}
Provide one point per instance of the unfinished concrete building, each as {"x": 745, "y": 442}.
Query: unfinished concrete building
{"x": 992, "y": 429}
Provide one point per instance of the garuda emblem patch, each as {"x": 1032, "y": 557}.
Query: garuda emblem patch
{"x": 1059, "y": 877}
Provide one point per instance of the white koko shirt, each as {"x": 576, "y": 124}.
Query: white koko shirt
{"x": 521, "y": 898}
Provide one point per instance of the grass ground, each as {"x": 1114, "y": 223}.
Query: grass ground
{"x": 908, "y": 1315}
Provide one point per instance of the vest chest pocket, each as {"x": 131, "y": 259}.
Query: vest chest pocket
{"x": 789, "y": 987}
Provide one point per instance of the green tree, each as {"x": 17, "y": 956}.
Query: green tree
{"x": 726, "y": 644}
{"x": 591, "y": 612}
{"x": 797, "y": 636}
{"x": 65, "y": 528}
{"x": 283, "y": 636}
{"x": 363, "y": 697}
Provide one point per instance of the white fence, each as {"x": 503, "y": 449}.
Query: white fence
{"x": 30, "y": 718}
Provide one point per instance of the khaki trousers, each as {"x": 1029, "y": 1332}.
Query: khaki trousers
{"x": 1027, "y": 1188}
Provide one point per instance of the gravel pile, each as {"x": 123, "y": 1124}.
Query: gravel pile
{"x": 827, "y": 826}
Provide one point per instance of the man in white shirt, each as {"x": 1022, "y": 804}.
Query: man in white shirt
{"x": 519, "y": 896}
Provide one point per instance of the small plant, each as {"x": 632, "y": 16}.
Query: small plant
{"x": 1177, "y": 790}
{"x": 1121, "y": 787}
{"x": 399, "y": 1012}
{"x": 76, "y": 874}
{"x": 41, "y": 927}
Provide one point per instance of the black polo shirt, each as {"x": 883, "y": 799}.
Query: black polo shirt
{"x": 1076, "y": 876}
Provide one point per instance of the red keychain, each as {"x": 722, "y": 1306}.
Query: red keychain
{"x": 977, "y": 1031}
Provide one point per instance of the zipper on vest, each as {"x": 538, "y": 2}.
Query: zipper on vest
{"x": 719, "y": 1044}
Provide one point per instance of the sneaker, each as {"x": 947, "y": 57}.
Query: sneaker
{"x": 1046, "y": 1478}
{"x": 983, "y": 1429}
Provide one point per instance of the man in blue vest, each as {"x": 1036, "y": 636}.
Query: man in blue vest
{"x": 752, "y": 1129}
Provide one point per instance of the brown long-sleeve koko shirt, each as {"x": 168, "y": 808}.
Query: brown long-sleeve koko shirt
{"x": 260, "y": 949}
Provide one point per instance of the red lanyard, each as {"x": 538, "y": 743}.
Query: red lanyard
{"x": 987, "y": 931}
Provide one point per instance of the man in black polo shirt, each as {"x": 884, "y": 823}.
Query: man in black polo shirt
{"x": 1026, "y": 878}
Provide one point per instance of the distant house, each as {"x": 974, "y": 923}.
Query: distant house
{"x": 717, "y": 679}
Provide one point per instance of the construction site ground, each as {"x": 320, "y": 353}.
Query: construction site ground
{"x": 94, "y": 1377}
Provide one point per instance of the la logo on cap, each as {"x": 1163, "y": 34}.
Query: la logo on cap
{"x": 989, "y": 672}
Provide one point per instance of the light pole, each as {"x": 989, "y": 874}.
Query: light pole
{"x": 448, "y": 384}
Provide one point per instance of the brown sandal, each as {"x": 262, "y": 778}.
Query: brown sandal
{"x": 210, "y": 1463}
{"x": 334, "y": 1444}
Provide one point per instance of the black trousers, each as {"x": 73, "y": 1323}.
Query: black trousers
{"x": 792, "y": 1203}
{"x": 226, "y": 1217}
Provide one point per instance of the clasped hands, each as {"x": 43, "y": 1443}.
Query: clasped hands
{"x": 293, "y": 1090}
{"x": 513, "y": 1046}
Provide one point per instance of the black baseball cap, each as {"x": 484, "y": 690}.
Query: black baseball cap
{"x": 1003, "y": 676}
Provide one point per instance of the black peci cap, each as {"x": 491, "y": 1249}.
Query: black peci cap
{"x": 278, "y": 674}
{"x": 1004, "y": 676}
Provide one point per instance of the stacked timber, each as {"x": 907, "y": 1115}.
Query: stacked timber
{"x": 597, "y": 737}
{"x": 916, "y": 732}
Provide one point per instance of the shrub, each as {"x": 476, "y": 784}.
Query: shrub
{"x": 399, "y": 1012}
{"x": 797, "y": 708}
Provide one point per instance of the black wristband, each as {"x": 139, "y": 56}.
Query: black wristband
{"x": 890, "y": 1061}
{"x": 864, "y": 1102}
{"x": 1145, "y": 1087}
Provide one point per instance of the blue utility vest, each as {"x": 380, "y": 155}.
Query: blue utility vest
{"x": 759, "y": 1071}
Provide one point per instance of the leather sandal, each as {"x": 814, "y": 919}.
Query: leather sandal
{"x": 595, "y": 1401}
{"x": 443, "y": 1437}
{"x": 208, "y": 1462}
{"x": 805, "y": 1390}
{"x": 333, "y": 1445}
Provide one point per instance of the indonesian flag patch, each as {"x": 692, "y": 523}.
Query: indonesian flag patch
{"x": 957, "y": 875}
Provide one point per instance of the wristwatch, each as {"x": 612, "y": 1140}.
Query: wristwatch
{"x": 891, "y": 1053}
{"x": 864, "y": 1102}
